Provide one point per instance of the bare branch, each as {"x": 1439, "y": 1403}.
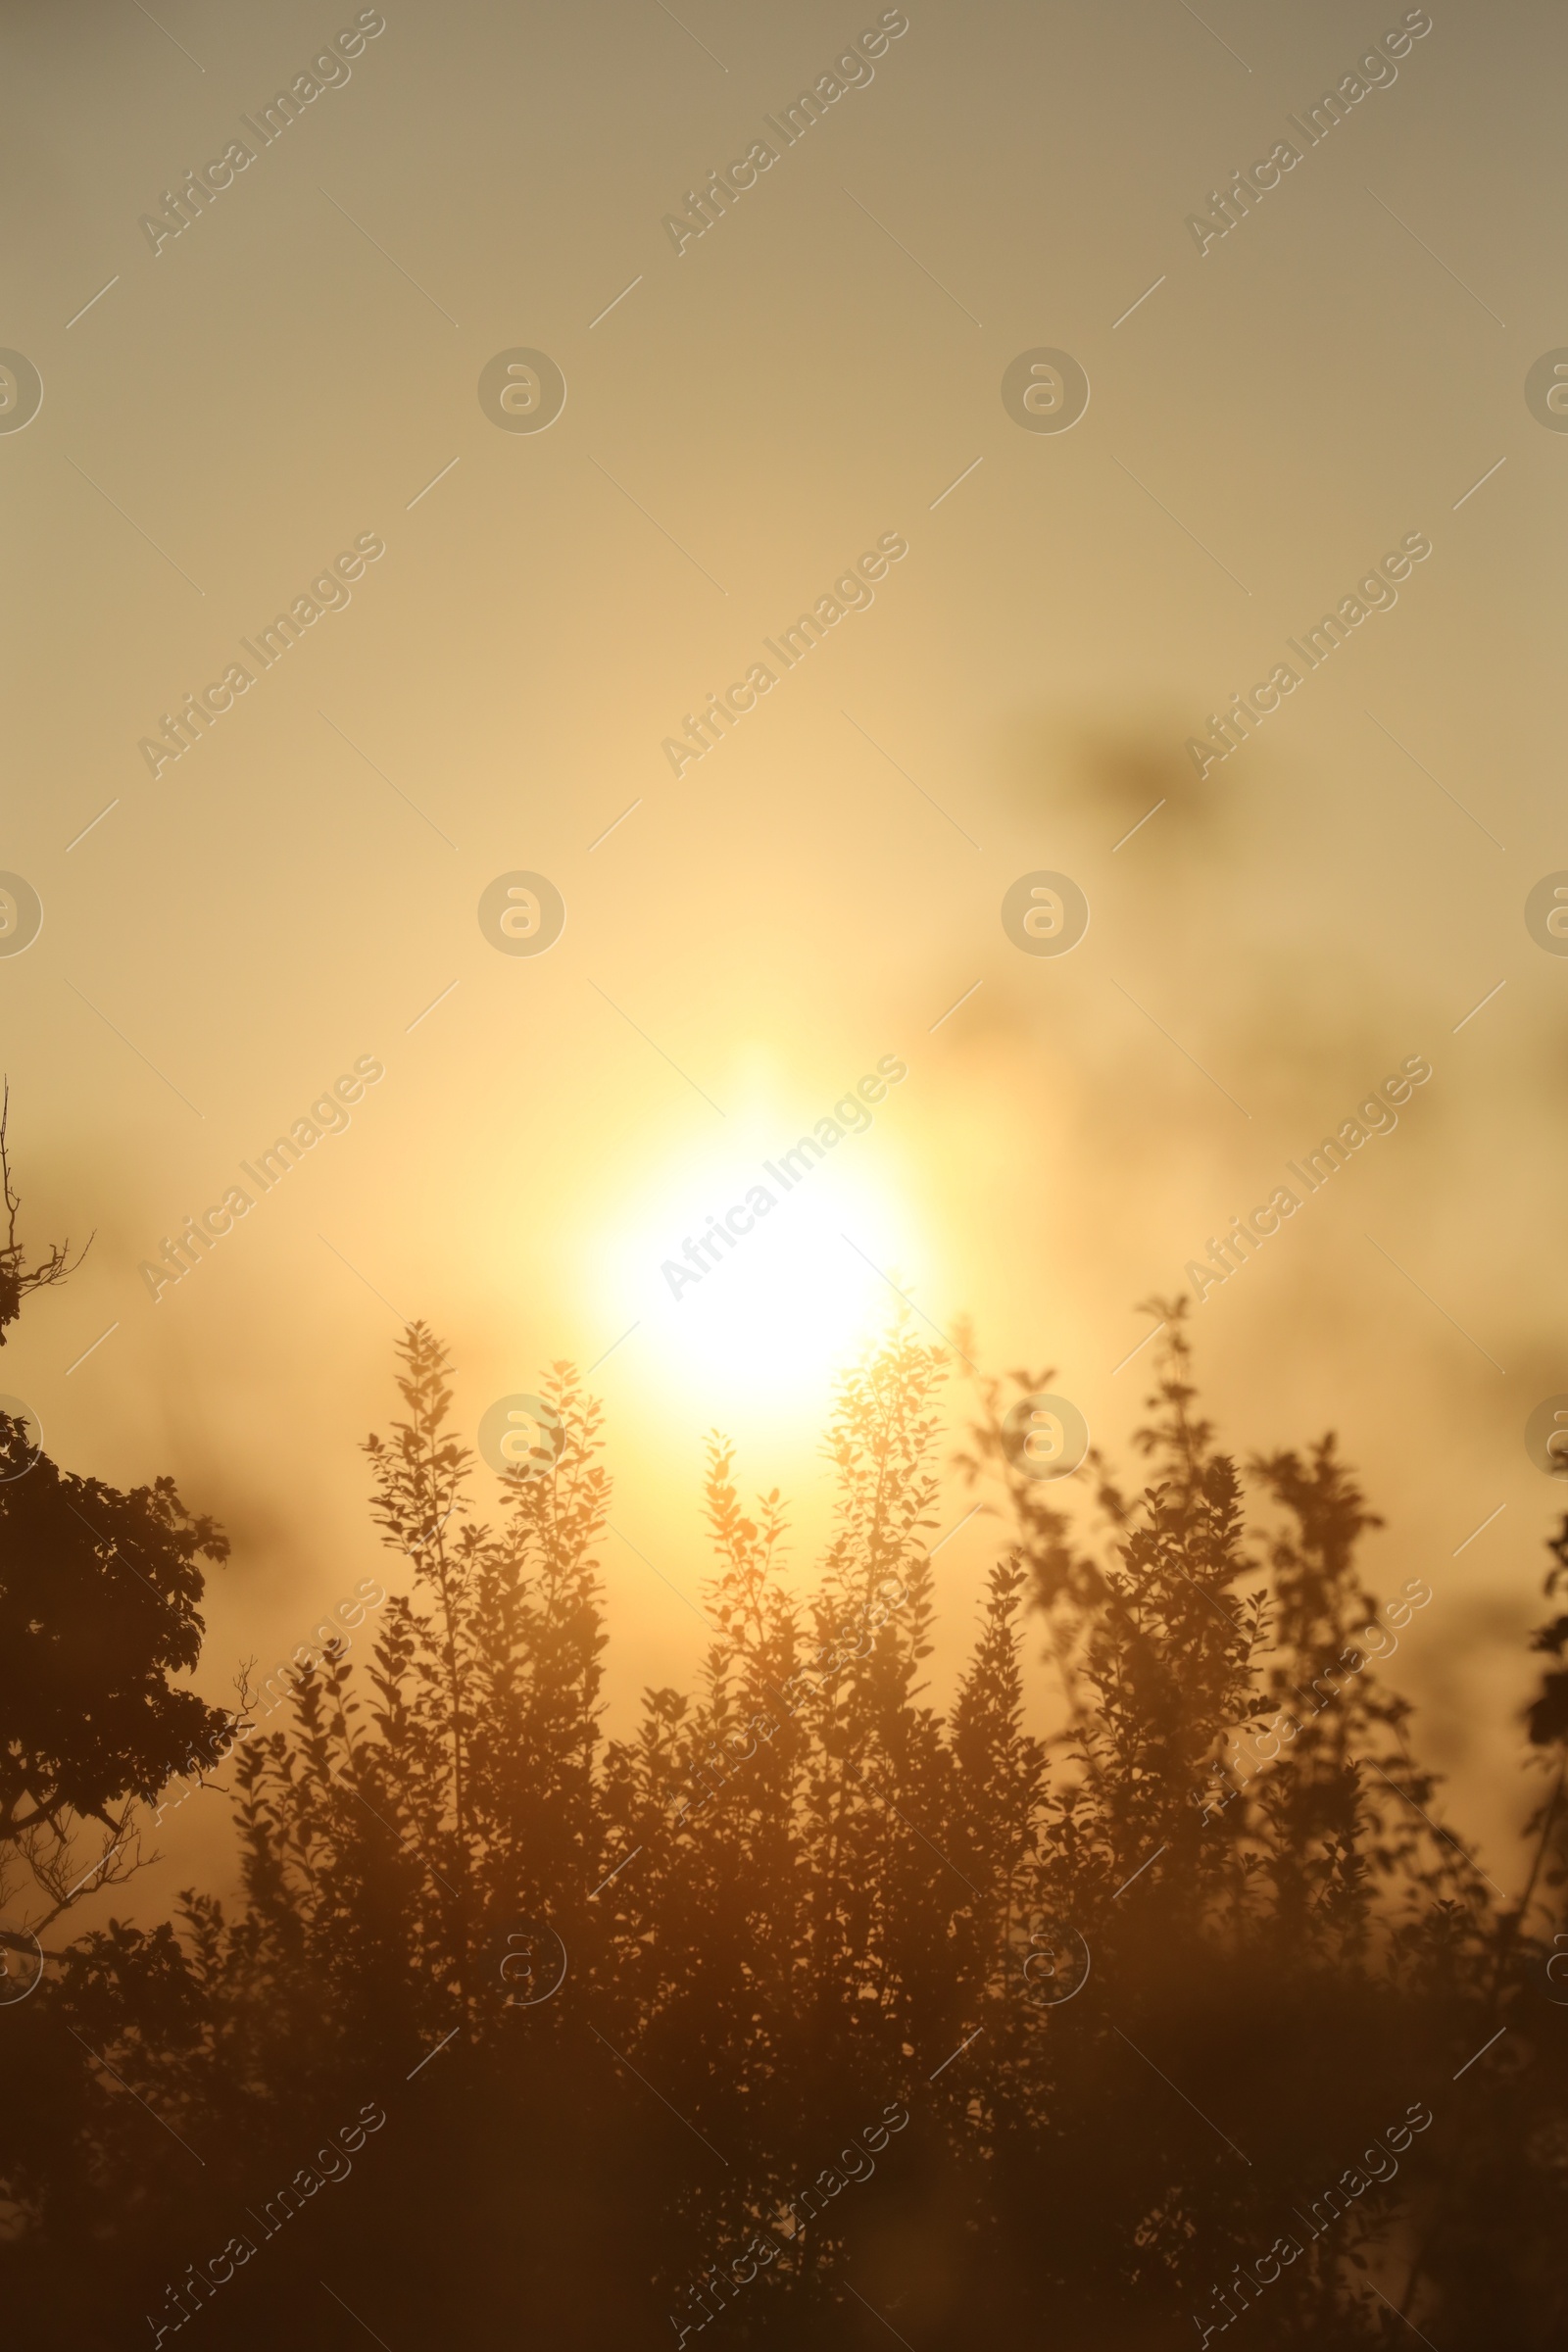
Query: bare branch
{"x": 18, "y": 1280}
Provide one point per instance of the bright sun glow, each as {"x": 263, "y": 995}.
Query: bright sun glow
{"x": 798, "y": 1290}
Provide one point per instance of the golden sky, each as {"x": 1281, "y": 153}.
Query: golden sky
{"x": 309, "y": 371}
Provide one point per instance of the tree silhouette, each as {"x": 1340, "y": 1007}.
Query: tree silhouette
{"x": 99, "y": 1606}
{"x": 803, "y": 2009}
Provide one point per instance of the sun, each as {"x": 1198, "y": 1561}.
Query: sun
{"x": 760, "y": 1278}
{"x": 799, "y": 1295}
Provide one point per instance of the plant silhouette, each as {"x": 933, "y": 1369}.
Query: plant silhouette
{"x": 804, "y": 2010}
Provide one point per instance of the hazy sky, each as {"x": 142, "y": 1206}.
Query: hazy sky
{"x": 295, "y": 376}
